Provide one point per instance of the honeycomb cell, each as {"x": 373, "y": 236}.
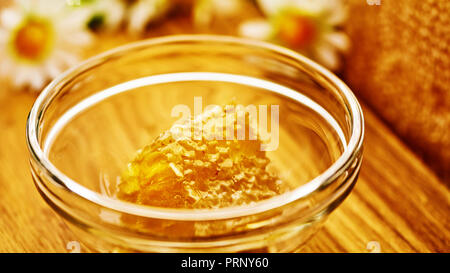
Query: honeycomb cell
{"x": 195, "y": 164}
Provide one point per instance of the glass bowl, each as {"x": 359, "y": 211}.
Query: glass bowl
{"x": 88, "y": 124}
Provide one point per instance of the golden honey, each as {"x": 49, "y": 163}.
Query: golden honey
{"x": 180, "y": 170}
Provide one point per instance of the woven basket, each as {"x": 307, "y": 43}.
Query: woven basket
{"x": 400, "y": 65}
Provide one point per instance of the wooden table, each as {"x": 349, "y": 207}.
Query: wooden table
{"x": 398, "y": 204}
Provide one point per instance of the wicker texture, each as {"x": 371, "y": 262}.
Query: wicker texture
{"x": 400, "y": 65}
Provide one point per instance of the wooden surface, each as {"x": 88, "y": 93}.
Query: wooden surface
{"x": 397, "y": 205}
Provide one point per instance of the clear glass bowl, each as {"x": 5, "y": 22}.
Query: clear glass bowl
{"x": 88, "y": 124}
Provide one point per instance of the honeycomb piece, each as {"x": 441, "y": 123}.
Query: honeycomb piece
{"x": 180, "y": 170}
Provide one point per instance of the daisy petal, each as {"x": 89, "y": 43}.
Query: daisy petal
{"x": 115, "y": 11}
{"x": 339, "y": 40}
{"x": 52, "y": 69}
{"x": 139, "y": 16}
{"x": 337, "y": 13}
{"x": 65, "y": 59}
{"x": 10, "y": 18}
{"x": 23, "y": 76}
{"x": 4, "y": 66}
{"x": 78, "y": 38}
{"x": 145, "y": 11}
{"x": 37, "y": 81}
{"x": 326, "y": 55}
{"x": 256, "y": 29}
{"x": 75, "y": 19}
{"x": 49, "y": 7}
{"x": 3, "y": 36}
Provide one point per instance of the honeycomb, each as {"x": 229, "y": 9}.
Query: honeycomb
{"x": 185, "y": 169}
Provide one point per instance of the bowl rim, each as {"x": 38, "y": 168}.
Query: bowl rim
{"x": 319, "y": 183}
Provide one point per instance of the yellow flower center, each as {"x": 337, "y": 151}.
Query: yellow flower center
{"x": 297, "y": 31}
{"x": 32, "y": 39}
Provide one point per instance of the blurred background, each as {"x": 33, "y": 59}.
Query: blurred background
{"x": 393, "y": 54}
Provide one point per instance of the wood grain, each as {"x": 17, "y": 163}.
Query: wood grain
{"x": 397, "y": 202}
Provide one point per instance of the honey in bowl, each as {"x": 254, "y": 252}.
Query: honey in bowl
{"x": 89, "y": 124}
{"x": 130, "y": 152}
{"x": 181, "y": 170}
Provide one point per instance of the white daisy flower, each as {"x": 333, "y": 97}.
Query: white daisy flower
{"x": 38, "y": 40}
{"x": 143, "y": 12}
{"x": 308, "y": 26}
